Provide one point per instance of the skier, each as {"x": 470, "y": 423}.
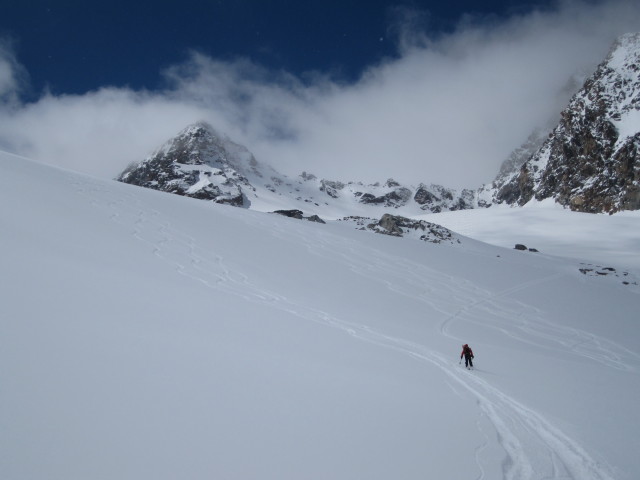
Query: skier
{"x": 467, "y": 353}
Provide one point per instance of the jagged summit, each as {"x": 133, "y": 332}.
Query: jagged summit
{"x": 199, "y": 162}
{"x": 201, "y": 144}
{"x": 591, "y": 161}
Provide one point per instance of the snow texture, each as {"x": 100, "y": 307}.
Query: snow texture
{"x": 146, "y": 335}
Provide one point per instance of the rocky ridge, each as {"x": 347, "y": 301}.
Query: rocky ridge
{"x": 202, "y": 163}
{"x": 591, "y": 160}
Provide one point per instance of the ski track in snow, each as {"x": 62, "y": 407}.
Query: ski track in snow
{"x": 513, "y": 318}
{"x": 533, "y": 447}
{"x": 527, "y": 324}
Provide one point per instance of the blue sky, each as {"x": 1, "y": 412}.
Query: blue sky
{"x": 76, "y": 46}
{"x": 432, "y": 92}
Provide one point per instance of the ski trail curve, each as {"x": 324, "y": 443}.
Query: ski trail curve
{"x": 533, "y": 447}
{"x": 520, "y": 430}
{"x": 509, "y": 316}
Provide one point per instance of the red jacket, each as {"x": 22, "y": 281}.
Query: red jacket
{"x": 466, "y": 350}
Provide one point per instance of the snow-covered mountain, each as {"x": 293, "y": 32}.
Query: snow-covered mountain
{"x": 591, "y": 161}
{"x": 199, "y": 163}
{"x": 203, "y": 163}
{"x": 145, "y": 335}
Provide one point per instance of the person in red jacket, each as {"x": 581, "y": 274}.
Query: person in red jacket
{"x": 467, "y": 353}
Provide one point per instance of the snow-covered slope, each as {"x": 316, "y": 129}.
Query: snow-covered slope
{"x": 145, "y": 335}
{"x": 608, "y": 240}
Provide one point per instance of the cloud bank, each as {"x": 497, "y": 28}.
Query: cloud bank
{"x": 447, "y": 109}
{"x": 12, "y": 76}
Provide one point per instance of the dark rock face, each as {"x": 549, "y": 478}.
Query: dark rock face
{"x": 592, "y": 270}
{"x": 197, "y": 163}
{"x": 331, "y": 188}
{"x": 392, "y": 194}
{"x": 396, "y": 198}
{"x": 398, "y": 226}
{"x": 298, "y": 214}
{"x": 502, "y": 190}
{"x": 391, "y": 224}
{"x": 591, "y": 161}
{"x": 290, "y": 213}
{"x": 316, "y": 219}
{"x": 436, "y": 198}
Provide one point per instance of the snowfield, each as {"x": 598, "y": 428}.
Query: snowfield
{"x": 546, "y": 226}
{"x": 145, "y": 335}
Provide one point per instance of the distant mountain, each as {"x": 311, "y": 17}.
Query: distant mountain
{"x": 202, "y": 163}
{"x": 591, "y": 160}
{"x": 198, "y": 163}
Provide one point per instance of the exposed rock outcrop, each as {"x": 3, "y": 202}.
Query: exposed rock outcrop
{"x": 299, "y": 215}
{"x": 198, "y": 163}
{"x": 398, "y": 226}
{"x": 591, "y": 161}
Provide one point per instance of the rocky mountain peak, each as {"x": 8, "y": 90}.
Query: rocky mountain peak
{"x": 202, "y": 163}
{"x": 198, "y": 162}
{"x": 201, "y": 144}
{"x": 591, "y": 160}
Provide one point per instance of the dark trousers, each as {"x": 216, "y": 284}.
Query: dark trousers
{"x": 468, "y": 361}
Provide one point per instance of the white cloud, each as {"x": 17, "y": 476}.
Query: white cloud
{"x": 447, "y": 110}
{"x": 12, "y": 75}
{"x": 98, "y": 133}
